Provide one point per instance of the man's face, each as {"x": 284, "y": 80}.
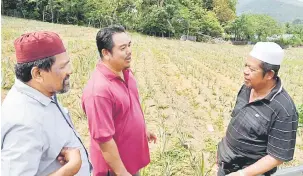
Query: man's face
{"x": 120, "y": 57}
{"x": 57, "y": 79}
{"x": 253, "y": 73}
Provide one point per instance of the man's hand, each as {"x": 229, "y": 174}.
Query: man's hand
{"x": 234, "y": 174}
{"x": 111, "y": 155}
{"x": 151, "y": 137}
{"x": 61, "y": 159}
{"x": 72, "y": 158}
{"x": 260, "y": 167}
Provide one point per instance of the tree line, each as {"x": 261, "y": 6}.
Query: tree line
{"x": 168, "y": 18}
{"x": 165, "y": 18}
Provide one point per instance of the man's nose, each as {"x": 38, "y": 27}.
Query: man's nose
{"x": 129, "y": 50}
{"x": 246, "y": 70}
{"x": 69, "y": 69}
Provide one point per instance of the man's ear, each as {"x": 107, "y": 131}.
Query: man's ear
{"x": 270, "y": 75}
{"x": 37, "y": 75}
{"x": 106, "y": 54}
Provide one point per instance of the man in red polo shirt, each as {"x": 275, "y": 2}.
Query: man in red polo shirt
{"x": 119, "y": 140}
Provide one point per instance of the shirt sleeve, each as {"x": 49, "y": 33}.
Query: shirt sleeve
{"x": 99, "y": 111}
{"x": 21, "y": 150}
{"x": 282, "y": 138}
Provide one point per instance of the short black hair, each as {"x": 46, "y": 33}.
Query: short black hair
{"x": 104, "y": 38}
{"x": 23, "y": 70}
{"x": 266, "y": 67}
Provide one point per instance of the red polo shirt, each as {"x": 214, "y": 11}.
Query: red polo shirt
{"x": 113, "y": 110}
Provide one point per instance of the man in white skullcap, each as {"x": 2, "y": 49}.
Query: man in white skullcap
{"x": 262, "y": 132}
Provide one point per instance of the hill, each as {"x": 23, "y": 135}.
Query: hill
{"x": 281, "y": 10}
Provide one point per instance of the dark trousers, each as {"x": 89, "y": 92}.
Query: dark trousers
{"x": 225, "y": 170}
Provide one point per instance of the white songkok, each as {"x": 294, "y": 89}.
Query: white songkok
{"x": 268, "y": 52}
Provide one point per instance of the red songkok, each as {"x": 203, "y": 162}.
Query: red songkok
{"x": 38, "y": 45}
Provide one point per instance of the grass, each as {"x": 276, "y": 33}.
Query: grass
{"x": 183, "y": 86}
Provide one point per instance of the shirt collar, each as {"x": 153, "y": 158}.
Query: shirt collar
{"x": 273, "y": 93}
{"x": 31, "y": 92}
{"x": 106, "y": 71}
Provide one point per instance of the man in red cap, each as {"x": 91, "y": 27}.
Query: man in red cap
{"x": 37, "y": 135}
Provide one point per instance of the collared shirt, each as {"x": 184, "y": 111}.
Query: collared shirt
{"x": 263, "y": 127}
{"x": 113, "y": 110}
{"x": 33, "y": 132}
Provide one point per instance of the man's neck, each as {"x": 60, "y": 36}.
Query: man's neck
{"x": 263, "y": 91}
{"x": 118, "y": 73}
{"x": 39, "y": 88}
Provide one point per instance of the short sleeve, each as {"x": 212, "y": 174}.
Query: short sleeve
{"x": 21, "y": 150}
{"x": 99, "y": 112}
{"x": 282, "y": 138}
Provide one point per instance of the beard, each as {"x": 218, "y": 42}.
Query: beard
{"x": 65, "y": 85}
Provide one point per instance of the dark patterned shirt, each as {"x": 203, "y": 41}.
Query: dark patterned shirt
{"x": 263, "y": 127}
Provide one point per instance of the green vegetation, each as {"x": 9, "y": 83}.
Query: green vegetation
{"x": 257, "y": 27}
{"x": 169, "y": 18}
{"x": 205, "y": 19}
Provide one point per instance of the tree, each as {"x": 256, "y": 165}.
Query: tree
{"x": 265, "y": 26}
{"x": 297, "y": 21}
{"x": 297, "y": 30}
{"x": 208, "y": 4}
{"x": 156, "y": 22}
{"x": 225, "y": 10}
{"x": 254, "y": 27}
{"x": 211, "y": 25}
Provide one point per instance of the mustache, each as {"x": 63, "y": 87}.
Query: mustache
{"x": 128, "y": 57}
{"x": 66, "y": 79}
{"x": 65, "y": 85}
